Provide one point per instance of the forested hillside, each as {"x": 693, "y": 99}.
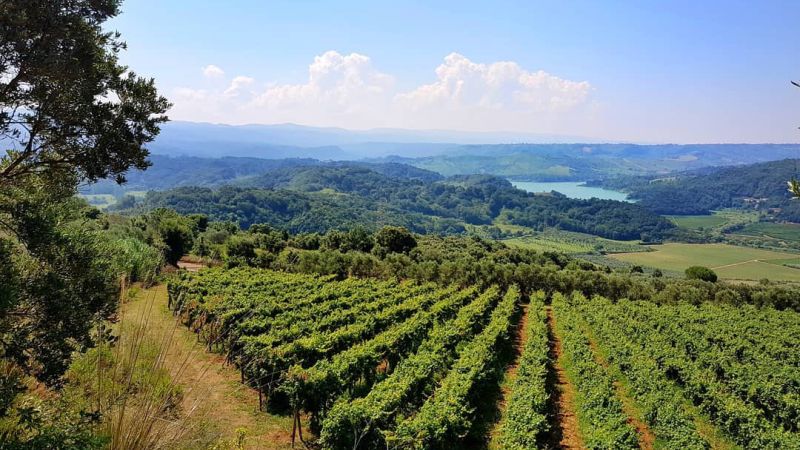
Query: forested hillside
{"x": 167, "y": 172}
{"x": 320, "y": 198}
{"x": 757, "y": 186}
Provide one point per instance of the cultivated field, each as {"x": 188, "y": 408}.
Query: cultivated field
{"x": 782, "y": 231}
{"x": 718, "y": 219}
{"x": 569, "y": 242}
{"x": 728, "y": 261}
{"x": 695, "y": 222}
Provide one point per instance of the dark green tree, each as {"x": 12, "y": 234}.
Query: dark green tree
{"x": 66, "y": 104}
{"x": 69, "y": 113}
{"x": 701, "y": 273}
{"x": 177, "y": 236}
{"x": 240, "y": 249}
{"x": 334, "y": 240}
{"x": 395, "y": 239}
{"x": 359, "y": 239}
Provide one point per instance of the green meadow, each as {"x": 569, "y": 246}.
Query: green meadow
{"x": 728, "y": 261}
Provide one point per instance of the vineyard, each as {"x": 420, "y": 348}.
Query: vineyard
{"x": 569, "y": 242}
{"x": 401, "y": 365}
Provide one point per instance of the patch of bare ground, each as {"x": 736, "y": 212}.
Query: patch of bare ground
{"x": 189, "y": 265}
{"x": 213, "y": 397}
{"x": 566, "y": 432}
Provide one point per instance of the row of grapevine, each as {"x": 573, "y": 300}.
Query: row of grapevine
{"x": 447, "y": 416}
{"x": 315, "y": 387}
{"x": 358, "y": 355}
{"x": 359, "y": 421}
{"x": 388, "y": 364}
{"x": 266, "y": 328}
{"x": 603, "y": 424}
{"x": 751, "y": 357}
{"x": 526, "y": 424}
{"x": 659, "y": 401}
{"x": 688, "y": 357}
{"x": 338, "y": 310}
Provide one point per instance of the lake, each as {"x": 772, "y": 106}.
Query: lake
{"x": 572, "y": 189}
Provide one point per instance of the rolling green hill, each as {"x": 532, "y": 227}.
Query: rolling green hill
{"x": 319, "y": 198}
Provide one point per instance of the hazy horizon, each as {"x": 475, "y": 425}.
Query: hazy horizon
{"x": 557, "y": 139}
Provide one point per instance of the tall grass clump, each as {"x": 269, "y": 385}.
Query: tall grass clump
{"x": 131, "y": 380}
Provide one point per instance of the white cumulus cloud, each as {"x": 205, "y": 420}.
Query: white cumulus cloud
{"x": 347, "y": 90}
{"x": 212, "y": 71}
{"x": 336, "y": 82}
{"x": 237, "y": 84}
{"x": 504, "y": 85}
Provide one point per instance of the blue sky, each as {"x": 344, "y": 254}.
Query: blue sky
{"x": 645, "y": 71}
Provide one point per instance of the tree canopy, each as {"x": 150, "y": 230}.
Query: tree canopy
{"x": 66, "y": 104}
{"x": 69, "y": 112}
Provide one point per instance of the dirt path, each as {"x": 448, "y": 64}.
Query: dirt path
{"x": 520, "y": 337}
{"x": 567, "y": 432}
{"x": 646, "y": 437}
{"x": 212, "y": 394}
{"x": 736, "y": 264}
{"x": 190, "y": 266}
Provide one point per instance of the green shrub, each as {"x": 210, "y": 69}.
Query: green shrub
{"x": 701, "y": 273}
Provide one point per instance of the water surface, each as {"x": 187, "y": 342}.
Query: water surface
{"x": 572, "y": 189}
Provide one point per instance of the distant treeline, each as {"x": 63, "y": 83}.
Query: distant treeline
{"x": 167, "y": 172}
{"x": 393, "y": 252}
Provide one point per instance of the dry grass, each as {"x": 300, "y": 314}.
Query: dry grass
{"x": 132, "y": 381}
{"x": 214, "y": 408}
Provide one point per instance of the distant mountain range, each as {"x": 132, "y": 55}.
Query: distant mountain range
{"x": 514, "y": 155}
{"x": 293, "y": 141}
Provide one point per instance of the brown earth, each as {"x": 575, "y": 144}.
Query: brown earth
{"x": 567, "y": 433}
{"x": 190, "y": 266}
